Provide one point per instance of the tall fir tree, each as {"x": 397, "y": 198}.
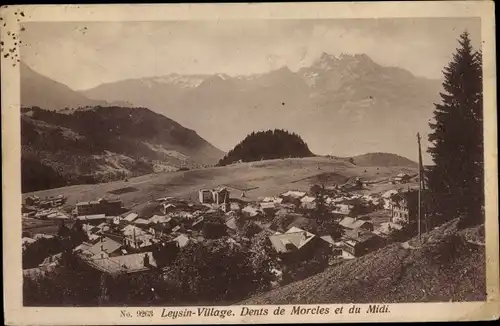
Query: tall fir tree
{"x": 456, "y": 181}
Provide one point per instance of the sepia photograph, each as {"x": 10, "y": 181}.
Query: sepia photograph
{"x": 250, "y": 162}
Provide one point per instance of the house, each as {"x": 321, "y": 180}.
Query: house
{"x": 292, "y": 197}
{"x": 356, "y": 243}
{"x": 275, "y": 200}
{"x": 268, "y": 208}
{"x": 32, "y": 200}
{"x": 386, "y": 197}
{"x": 34, "y": 273}
{"x": 167, "y": 208}
{"x": 140, "y": 222}
{"x": 130, "y": 217}
{"x": 387, "y": 228}
{"x": 39, "y": 236}
{"x": 351, "y": 223}
{"x": 106, "y": 247}
{"x": 220, "y": 195}
{"x": 402, "y": 178}
{"x": 404, "y": 207}
{"x": 125, "y": 264}
{"x": 182, "y": 240}
{"x": 336, "y": 247}
{"x": 205, "y": 196}
{"x": 82, "y": 247}
{"x": 250, "y": 211}
{"x": 92, "y": 219}
{"x": 130, "y": 230}
{"x": 231, "y": 223}
{"x": 343, "y": 209}
{"x": 352, "y": 185}
{"x": 100, "y": 206}
{"x": 308, "y": 202}
{"x": 159, "y": 219}
{"x": 159, "y": 229}
{"x": 292, "y": 240}
{"x": 226, "y": 206}
{"x": 26, "y": 242}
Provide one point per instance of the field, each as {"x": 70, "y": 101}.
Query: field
{"x": 257, "y": 179}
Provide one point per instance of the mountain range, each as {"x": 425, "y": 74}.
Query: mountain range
{"x": 344, "y": 105}
{"x": 68, "y": 138}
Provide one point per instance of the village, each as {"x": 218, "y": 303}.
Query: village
{"x": 117, "y": 240}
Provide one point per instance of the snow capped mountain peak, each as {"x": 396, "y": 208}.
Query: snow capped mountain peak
{"x": 325, "y": 61}
{"x": 184, "y": 81}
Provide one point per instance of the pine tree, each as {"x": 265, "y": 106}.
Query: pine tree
{"x": 456, "y": 180}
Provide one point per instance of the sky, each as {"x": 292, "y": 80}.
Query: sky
{"x": 85, "y": 54}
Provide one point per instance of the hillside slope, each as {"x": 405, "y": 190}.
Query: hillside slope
{"x": 104, "y": 143}
{"x": 446, "y": 268}
{"x": 38, "y": 90}
{"x": 383, "y": 159}
{"x": 338, "y": 104}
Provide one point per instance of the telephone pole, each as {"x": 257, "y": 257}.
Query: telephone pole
{"x": 420, "y": 185}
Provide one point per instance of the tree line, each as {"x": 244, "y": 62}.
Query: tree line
{"x": 266, "y": 145}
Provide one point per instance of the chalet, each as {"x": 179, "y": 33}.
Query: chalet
{"x": 220, "y": 195}
{"x": 205, "y": 196}
{"x": 106, "y": 247}
{"x": 351, "y": 223}
{"x": 386, "y": 197}
{"x": 276, "y": 200}
{"x": 182, "y": 240}
{"x": 268, "y": 208}
{"x": 387, "y": 228}
{"x": 53, "y": 260}
{"x": 251, "y": 211}
{"x": 82, "y": 247}
{"x": 167, "y": 208}
{"x": 356, "y": 243}
{"x": 292, "y": 240}
{"x": 404, "y": 207}
{"x": 92, "y": 219}
{"x": 100, "y": 206}
{"x": 297, "y": 245}
{"x": 342, "y": 209}
{"x": 32, "y": 200}
{"x": 226, "y": 206}
{"x": 158, "y": 230}
{"x": 35, "y": 273}
{"x": 126, "y": 264}
{"x": 140, "y": 222}
{"x": 352, "y": 185}
{"x": 155, "y": 219}
{"x": 39, "y": 236}
{"x": 402, "y": 178}
{"x": 308, "y": 202}
{"x": 231, "y": 224}
{"x": 130, "y": 217}
{"x": 292, "y": 197}
{"x": 26, "y": 242}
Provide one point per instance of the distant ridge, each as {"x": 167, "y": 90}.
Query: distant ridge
{"x": 382, "y": 159}
{"x": 100, "y": 144}
{"x": 45, "y": 93}
{"x": 333, "y": 98}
